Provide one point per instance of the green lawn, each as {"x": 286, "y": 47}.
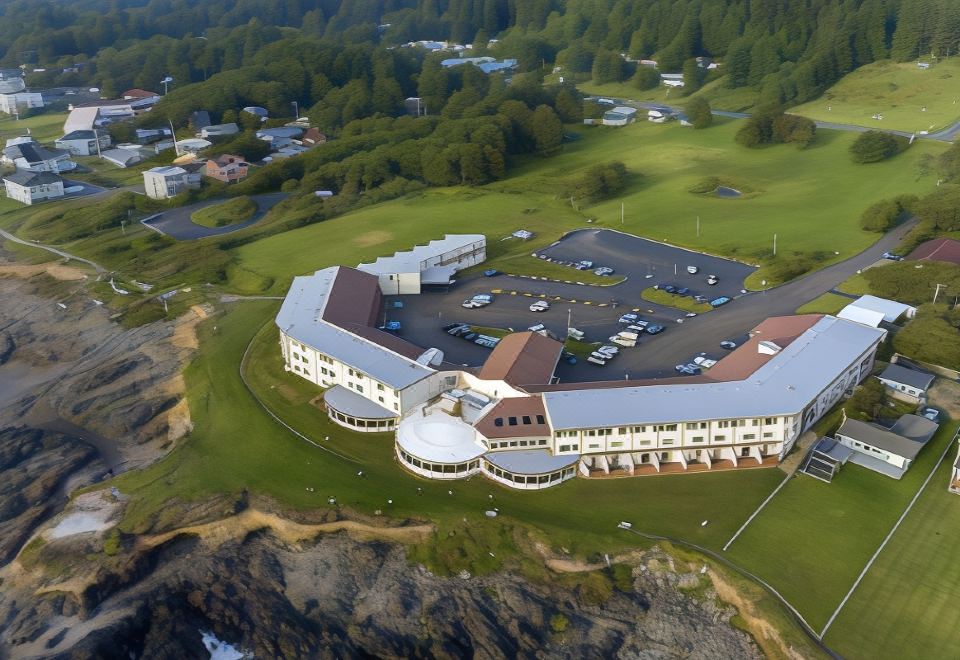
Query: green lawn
{"x": 236, "y": 447}
{"x": 227, "y": 213}
{"x": 896, "y": 90}
{"x": 806, "y": 201}
{"x": 686, "y": 303}
{"x": 813, "y": 539}
{"x": 45, "y": 127}
{"x": 716, "y": 92}
{"x": 526, "y": 264}
{"x": 907, "y": 605}
{"x": 828, "y": 303}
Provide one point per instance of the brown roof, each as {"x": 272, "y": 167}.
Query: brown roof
{"x": 519, "y": 411}
{"x": 137, "y": 93}
{"x": 227, "y": 159}
{"x": 746, "y": 359}
{"x": 523, "y": 358}
{"x": 354, "y": 298}
{"x": 313, "y": 136}
{"x": 939, "y": 249}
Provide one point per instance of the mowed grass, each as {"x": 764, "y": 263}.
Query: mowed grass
{"x": 716, "y": 92}
{"x": 814, "y": 538}
{"x": 812, "y": 199}
{"x": 236, "y": 447}
{"x": 897, "y": 90}
{"x": 828, "y": 303}
{"x": 906, "y": 606}
{"x": 44, "y": 128}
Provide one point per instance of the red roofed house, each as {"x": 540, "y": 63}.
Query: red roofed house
{"x": 227, "y": 168}
{"x": 939, "y": 249}
{"x": 137, "y": 93}
{"x": 312, "y": 138}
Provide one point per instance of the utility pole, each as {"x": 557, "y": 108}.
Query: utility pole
{"x": 621, "y": 213}
{"x": 173, "y": 134}
{"x": 96, "y": 138}
{"x": 296, "y": 109}
{"x": 698, "y": 226}
{"x": 937, "y": 292}
{"x": 774, "y": 245}
{"x": 569, "y": 312}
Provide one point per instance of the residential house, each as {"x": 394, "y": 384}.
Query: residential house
{"x": 151, "y": 135}
{"x": 872, "y": 310}
{"x": 138, "y": 94}
{"x": 227, "y": 168}
{"x": 906, "y": 383}
{"x": 281, "y": 136}
{"x": 14, "y": 104}
{"x": 485, "y": 64}
{"x": 620, "y": 116}
{"x": 312, "y": 138}
{"x": 11, "y": 81}
{"x": 36, "y": 158}
{"x": 92, "y": 115}
{"x": 258, "y": 111}
{"x": 192, "y": 145}
{"x": 659, "y": 115}
{"x": 165, "y": 182}
{"x": 29, "y": 187}
{"x": 83, "y": 143}
{"x": 887, "y": 451}
{"x": 200, "y": 119}
{"x": 218, "y": 130}
{"x": 122, "y": 157}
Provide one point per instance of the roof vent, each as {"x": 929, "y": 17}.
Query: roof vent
{"x": 768, "y": 348}
{"x": 432, "y": 357}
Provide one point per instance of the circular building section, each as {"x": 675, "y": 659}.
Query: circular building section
{"x": 533, "y": 469}
{"x": 438, "y": 446}
{"x": 357, "y": 413}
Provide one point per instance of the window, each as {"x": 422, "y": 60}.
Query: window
{"x": 617, "y": 443}
{"x": 621, "y": 431}
{"x": 513, "y": 443}
{"x": 745, "y": 452}
{"x": 380, "y": 399}
{"x": 724, "y": 424}
{"x": 526, "y": 420}
{"x": 379, "y": 387}
{"x": 769, "y": 420}
{"x": 697, "y": 438}
{"x": 541, "y": 420}
{"x": 749, "y": 436}
{"x": 691, "y": 426}
{"x": 593, "y": 446}
{"x": 360, "y": 389}
{"x": 719, "y": 438}
{"x": 644, "y": 443}
{"x": 498, "y": 421}
{"x": 564, "y": 448}
{"x": 768, "y": 434}
{"x": 667, "y": 442}
{"x": 396, "y": 406}
{"x": 639, "y": 429}
{"x": 512, "y": 421}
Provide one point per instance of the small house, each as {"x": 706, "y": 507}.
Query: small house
{"x": 227, "y": 168}
{"x": 312, "y": 138}
{"x": 620, "y": 116}
{"x": 200, "y": 119}
{"x": 867, "y": 309}
{"x": 906, "y": 383}
{"x": 16, "y": 103}
{"x": 29, "y": 187}
{"x": 36, "y": 158}
{"x": 192, "y": 145}
{"x": 122, "y": 157}
{"x": 83, "y": 142}
{"x": 219, "y": 130}
{"x": 165, "y": 182}
{"x": 887, "y": 451}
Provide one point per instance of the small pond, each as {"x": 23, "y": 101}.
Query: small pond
{"x": 724, "y": 191}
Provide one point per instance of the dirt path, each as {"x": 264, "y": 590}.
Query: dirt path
{"x": 54, "y": 269}
{"x": 219, "y": 531}
{"x": 10, "y": 237}
{"x": 945, "y": 394}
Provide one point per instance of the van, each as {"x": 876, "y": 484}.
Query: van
{"x": 596, "y": 360}
{"x": 623, "y": 334}
{"x": 626, "y": 343}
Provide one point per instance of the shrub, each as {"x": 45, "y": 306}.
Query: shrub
{"x": 874, "y": 146}
{"x": 559, "y": 623}
{"x": 881, "y": 216}
{"x": 774, "y": 127}
{"x": 646, "y": 77}
{"x": 601, "y": 181}
{"x": 931, "y": 337}
{"x": 698, "y": 112}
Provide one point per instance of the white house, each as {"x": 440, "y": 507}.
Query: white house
{"x": 36, "y": 158}
{"x": 88, "y": 117}
{"x": 29, "y": 187}
{"x": 620, "y": 116}
{"x": 659, "y": 115}
{"x": 867, "y": 309}
{"x": 165, "y": 182}
{"x": 887, "y": 451}
{"x": 905, "y": 383}
{"x": 433, "y": 263}
{"x": 122, "y": 157}
{"x": 192, "y": 145}
{"x": 83, "y": 143}
{"x": 15, "y": 103}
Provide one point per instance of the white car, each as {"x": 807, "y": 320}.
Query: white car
{"x": 607, "y": 348}
{"x": 473, "y": 304}
{"x": 540, "y": 306}
{"x": 704, "y": 362}
{"x": 693, "y": 270}
{"x": 712, "y": 280}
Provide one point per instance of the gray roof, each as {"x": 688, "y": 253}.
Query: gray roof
{"x": 911, "y": 377}
{"x": 78, "y": 135}
{"x": 32, "y": 152}
{"x": 281, "y": 132}
{"x": 891, "y": 440}
{"x": 28, "y": 179}
{"x": 124, "y": 156}
{"x": 301, "y": 318}
{"x": 530, "y": 461}
{"x": 785, "y": 385}
{"x": 350, "y": 403}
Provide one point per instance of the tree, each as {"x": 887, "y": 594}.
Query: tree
{"x": 646, "y": 77}
{"x": 569, "y": 105}
{"x": 874, "y": 146}
{"x": 881, "y": 216}
{"x": 698, "y": 112}
{"x": 547, "y": 130}
{"x": 607, "y": 67}
{"x": 693, "y": 75}
{"x": 737, "y": 65}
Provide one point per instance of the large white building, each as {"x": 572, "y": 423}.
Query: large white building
{"x": 511, "y": 423}
{"x": 16, "y": 103}
{"x": 84, "y": 142}
{"x": 434, "y": 263}
{"x": 29, "y": 187}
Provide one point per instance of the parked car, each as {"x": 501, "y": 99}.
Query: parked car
{"x": 683, "y": 291}
{"x": 537, "y": 328}
{"x": 459, "y": 332}
{"x": 484, "y": 297}
{"x": 713, "y": 279}
{"x": 540, "y": 306}
{"x": 490, "y": 272}
{"x": 473, "y": 304}
{"x": 607, "y": 348}
{"x": 584, "y": 265}
{"x": 450, "y": 326}
{"x": 693, "y": 270}
{"x": 693, "y": 369}
{"x": 593, "y": 359}
{"x": 704, "y": 362}
{"x": 603, "y": 271}
{"x": 717, "y": 302}
{"x": 728, "y": 344}
{"x": 669, "y": 288}
{"x": 569, "y": 358}
{"x": 655, "y": 329}
{"x": 891, "y": 256}
{"x": 628, "y": 318}
{"x": 470, "y": 336}
{"x": 931, "y": 413}
{"x": 690, "y": 315}
{"x": 700, "y": 299}
{"x": 638, "y": 326}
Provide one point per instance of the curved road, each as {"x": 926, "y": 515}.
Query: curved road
{"x": 10, "y": 237}
{"x": 177, "y": 222}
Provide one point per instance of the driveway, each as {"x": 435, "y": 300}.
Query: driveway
{"x": 177, "y": 222}
{"x": 86, "y": 189}
{"x": 423, "y": 315}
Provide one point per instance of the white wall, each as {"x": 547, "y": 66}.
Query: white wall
{"x": 27, "y": 195}
{"x": 869, "y": 450}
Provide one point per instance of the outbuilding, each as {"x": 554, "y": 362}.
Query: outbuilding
{"x": 906, "y": 383}
{"x": 887, "y": 451}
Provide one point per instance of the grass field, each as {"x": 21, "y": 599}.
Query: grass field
{"x": 227, "y": 213}
{"x": 896, "y": 90}
{"x": 828, "y": 303}
{"x": 806, "y": 201}
{"x": 716, "y": 92}
{"x": 44, "y": 128}
{"x": 906, "y": 606}
{"x": 813, "y": 539}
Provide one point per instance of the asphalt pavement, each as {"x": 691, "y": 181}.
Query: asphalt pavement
{"x": 424, "y": 315}
{"x": 177, "y": 222}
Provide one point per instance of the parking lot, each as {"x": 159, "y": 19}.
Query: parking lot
{"x": 595, "y": 310}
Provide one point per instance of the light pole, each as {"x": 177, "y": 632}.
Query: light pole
{"x": 937, "y": 292}
{"x": 774, "y": 245}
{"x": 296, "y": 110}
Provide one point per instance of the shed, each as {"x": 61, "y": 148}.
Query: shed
{"x": 906, "y": 382}
{"x": 891, "y": 309}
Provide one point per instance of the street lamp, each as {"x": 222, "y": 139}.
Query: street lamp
{"x": 166, "y": 81}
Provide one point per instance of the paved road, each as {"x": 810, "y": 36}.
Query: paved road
{"x": 948, "y": 134}
{"x": 423, "y": 316}
{"x": 177, "y": 223}
{"x": 10, "y": 237}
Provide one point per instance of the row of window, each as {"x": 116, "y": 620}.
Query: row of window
{"x": 669, "y": 442}
{"x": 542, "y": 442}
{"x": 379, "y": 424}
{"x": 441, "y": 468}
{"x": 514, "y": 421}
{"x": 553, "y": 477}
{"x": 660, "y": 428}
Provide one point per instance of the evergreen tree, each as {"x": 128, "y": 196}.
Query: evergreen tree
{"x": 547, "y": 130}
{"x": 698, "y": 112}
